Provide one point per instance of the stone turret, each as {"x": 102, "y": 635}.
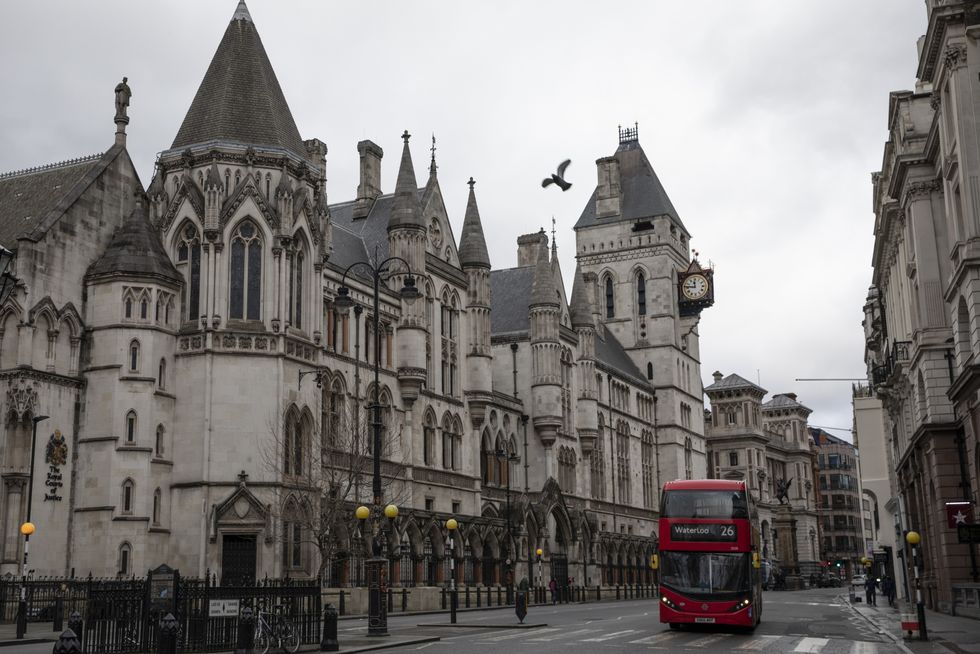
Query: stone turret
{"x": 406, "y": 239}
{"x": 369, "y": 187}
{"x": 475, "y": 261}
{"x": 317, "y": 150}
{"x": 213, "y": 197}
{"x": 284, "y": 202}
{"x": 545, "y": 311}
{"x": 586, "y": 420}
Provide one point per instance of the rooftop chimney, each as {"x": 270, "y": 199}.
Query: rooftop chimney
{"x": 369, "y": 187}
{"x": 608, "y": 199}
{"x": 527, "y": 247}
{"x": 717, "y": 375}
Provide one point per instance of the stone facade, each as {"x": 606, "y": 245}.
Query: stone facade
{"x": 921, "y": 311}
{"x": 841, "y": 502}
{"x": 217, "y": 400}
{"x": 766, "y": 444}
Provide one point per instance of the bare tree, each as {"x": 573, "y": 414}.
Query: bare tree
{"x": 325, "y": 466}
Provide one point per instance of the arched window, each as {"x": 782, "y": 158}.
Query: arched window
{"x": 430, "y": 382}
{"x": 292, "y": 550}
{"x": 131, "y": 427}
{"x": 296, "y": 274}
{"x": 963, "y": 341}
{"x": 162, "y": 374}
{"x": 159, "y": 446}
{"x": 568, "y": 424}
{"x": 159, "y": 306}
{"x": 598, "y": 463}
{"x": 649, "y": 370}
{"x": 246, "y": 273}
{"x": 646, "y": 459}
{"x": 688, "y": 459}
{"x": 143, "y": 308}
{"x": 641, "y": 294}
{"x": 336, "y": 414}
{"x": 429, "y": 440}
{"x": 134, "y": 356}
{"x": 447, "y": 443}
{"x": 623, "y": 462}
{"x": 129, "y": 307}
{"x": 127, "y": 496}
{"x": 125, "y": 559}
{"x": 450, "y": 343}
{"x": 293, "y": 446}
{"x": 157, "y": 499}
{"x": 610, "y": 301}
{"x": 189, "y": 264}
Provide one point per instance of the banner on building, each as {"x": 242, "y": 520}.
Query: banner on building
{"x": 959, "y": 513}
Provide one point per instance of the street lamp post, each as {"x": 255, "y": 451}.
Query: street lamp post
{"x": 913, "y": 539}
{"x": 377, "y": 617}
{"x": 27, "y": 529}
{"x": 539, "y": 552}
{"x": 507, "y": 457}
{"x": 451, "y": 526}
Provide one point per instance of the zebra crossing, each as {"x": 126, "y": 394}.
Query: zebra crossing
{"x": 594, "y": 636}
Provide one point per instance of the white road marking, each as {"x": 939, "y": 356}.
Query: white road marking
{"x": 863, "y": 647}
{"x": 758, "y": 643}
{"x": 811, "y": 645}
{"x": 615, "y": 634}
{"x": 562, "y": 635}
{"x": 707, "y": 640}
{"x": 519, "y": 634}
{"x": 662, "y": 637}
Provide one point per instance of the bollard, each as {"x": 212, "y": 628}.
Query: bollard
{"x": 68, "y": 643}
{"x": 442, "y": 597}
{"x": 59, "y": 614}
{"x": 391, "y": 601}
{"x": 329, "y": 641}
{"x": 75, "y": 624}
{"x": 404, "y": 599}
{"x": 167, "y": 642}
{"x": 341, "y": 602}
{"x": 467, "y": 597}
{"x": 246, "y": 632}
{"x": 598, "y": 593}
{"x": 479, "y": 597}
{"x": 520, "y": 605}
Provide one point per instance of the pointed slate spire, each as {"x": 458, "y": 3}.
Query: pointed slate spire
{"x": 543, "y": 289}
{"x": 240, "y": 99}
{"x": 472, "y": 244}
{"x": 580, "y": 308}
{"x": 405, "y": 211}
{"x": 136, "y": 249}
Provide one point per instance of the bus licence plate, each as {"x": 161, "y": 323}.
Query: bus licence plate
{"x": 704, "y": 620}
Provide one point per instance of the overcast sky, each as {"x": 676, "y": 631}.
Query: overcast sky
{"x": 763, "y": 120}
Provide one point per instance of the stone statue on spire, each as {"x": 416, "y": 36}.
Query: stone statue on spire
{"x": 123, "y": 94}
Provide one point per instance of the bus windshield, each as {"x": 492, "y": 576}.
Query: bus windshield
{"x": 703, "y": 574}
{"x": 720, "y": 505}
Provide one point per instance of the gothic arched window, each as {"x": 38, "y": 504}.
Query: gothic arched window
{"x": 159, "y": 445}
{"x": 641, "y": 294}
{"x": 134, "y": 356}
{"x": 429, "y": 440}
{"x": 293, "y": 444}
{"x": 128, "y": 488}
{"x": 296, "y": 273}
{"x": 189, "y": 263}
{"x": 610, "y": 301}
{"x": 246, "y": 273}
{"x": 157, "y": 500}
{"x": 125, "y": 559}
{"x": 162, "y": 374}
{"x": 131, "y": 427}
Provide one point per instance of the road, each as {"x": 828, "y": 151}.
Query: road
{"x": 816, "y": 621}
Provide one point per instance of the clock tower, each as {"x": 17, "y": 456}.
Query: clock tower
{"x": 632, "y": 243}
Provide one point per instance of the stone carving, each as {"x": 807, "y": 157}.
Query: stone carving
{"x": 56, "y": 453}
{"x": 923, "y": 188}
{"x": 21, "y": 401}
{"x": 123, "y": 94}
{"x": 955, "y": 57}
{"x": 782, "y": 490}
{"x": 935, "y": 101}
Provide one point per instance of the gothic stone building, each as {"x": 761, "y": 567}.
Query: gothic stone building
{"x": 766, "y": 444}
{"x": 185, "y": 343}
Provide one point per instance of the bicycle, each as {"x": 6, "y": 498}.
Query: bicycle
{"x": 273, "y": 626}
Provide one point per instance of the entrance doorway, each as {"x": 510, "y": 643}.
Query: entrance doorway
{"x": 559, "y": 569}
{"x": 238, "y": 559}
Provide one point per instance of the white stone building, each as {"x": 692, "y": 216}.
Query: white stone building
{"x": 186, "y": 343}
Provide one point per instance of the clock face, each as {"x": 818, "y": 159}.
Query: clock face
{"x": 695, "y": 287}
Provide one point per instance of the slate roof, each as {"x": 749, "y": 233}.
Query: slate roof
{"x": 472, "y": 243}
{"x": 32, "y": 200}
{"x": 783, "y": 401}
{"x": 136, "y": 249}
{"x": 510, "y": 302}
{"x": 733, "y": 382}
{"x": 240, "y": 99}
{"x": 643, "y": 196}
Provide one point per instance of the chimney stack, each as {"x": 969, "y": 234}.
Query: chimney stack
{"x": 717, "y": 375}
{"x": 369, "y": 187}
{"x": 608, "y": 199}
{"x": 527, "y": 247}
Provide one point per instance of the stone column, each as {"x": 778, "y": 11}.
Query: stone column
{"x": 14, "y": 488}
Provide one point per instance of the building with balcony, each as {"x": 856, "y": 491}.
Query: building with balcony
{"x": 841, "y": 509}
{"x": 922, "y": 311}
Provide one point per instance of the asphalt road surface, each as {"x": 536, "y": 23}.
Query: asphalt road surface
{"x": 816, "y": 621}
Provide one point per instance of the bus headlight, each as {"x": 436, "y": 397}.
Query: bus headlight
{"x": 667, "y": 602}
{"x": 741, "y": 604}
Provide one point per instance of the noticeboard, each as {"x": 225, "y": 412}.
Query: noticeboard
{"x": 223, "y": 608}
{"x": 162, "y": 592}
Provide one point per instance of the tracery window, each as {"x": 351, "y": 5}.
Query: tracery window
{"x": 246, "y": 273}
{"x": 598, "y": 463}
{"x": 335, "y": 417}
{"x": 567, "y": 420}
{"x": 451, "y": 443}
{"x": 189, "y": 264}
{"x": 623, "y": 463}
{"x": 296, "y": 273}
{"x": 293, "y": 445}
{"x": 429, "y": 440}
{"x": 647, "y": 462}
{"x": 610, "y": 300}
{"x": 487, "y": 460}
{"x": 641, "y": 294}
{"x": 450, "y": 343}
{"x": 430, "y": 382}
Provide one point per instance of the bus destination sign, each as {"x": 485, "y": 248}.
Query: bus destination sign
{"x": 703, "y": 532}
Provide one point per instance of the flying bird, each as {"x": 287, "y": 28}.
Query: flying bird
{"x": 559, "y": 177}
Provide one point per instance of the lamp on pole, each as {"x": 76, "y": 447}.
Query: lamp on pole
{"x": 539, "y": 552}
{"x": 506, "y": 457}
{"x": 27, "y": 529}
{"x": 376, "y": 566}
{"x": 451, "y": 527}
{"x": 913, "y": 539}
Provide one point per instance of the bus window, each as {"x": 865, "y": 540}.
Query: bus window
{"x": 720, "y": 505}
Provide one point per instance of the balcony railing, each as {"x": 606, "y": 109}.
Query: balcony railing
{"x": 897, "y": 352}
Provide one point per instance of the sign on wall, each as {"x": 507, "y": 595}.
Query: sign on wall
{"x": 223, "y": 608}
{"x": 55, "y": 455}
{"x": 959, "y": 513}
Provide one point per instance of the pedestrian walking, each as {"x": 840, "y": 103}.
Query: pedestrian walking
{"x": 888, "y": 588}
{"x": 870, "y": 586}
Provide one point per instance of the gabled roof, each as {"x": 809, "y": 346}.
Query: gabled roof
{"x": 643, "y": 196}
{"x": 135, "y": 249}
{"x": 32, "y": 200}
{"x": 784, "y": 401}
{"x": 733, "y": 382}
{"x": 240, "y": 99}
{"x": 610, "y": 354}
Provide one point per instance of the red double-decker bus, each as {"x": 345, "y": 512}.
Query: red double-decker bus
{"x": 709, "y": 554}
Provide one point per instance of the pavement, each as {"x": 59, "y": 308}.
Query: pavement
{"x": 947, "y": 633}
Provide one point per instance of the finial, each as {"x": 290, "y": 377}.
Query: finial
{"x": 432, "y": 164}
{"x": 241, "y": 12}
{"x": 554, "y": 244}
{"x": 406, "y": 136}
{"x": 471, "y": 183}
{"x": 123, "y": 94}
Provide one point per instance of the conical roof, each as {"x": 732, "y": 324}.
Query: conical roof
{"x": 543, "y": 290}
{"x": 405, "y": 211}
{"x": 136, "y": 249}
{"x": 472, "y": 244}
{"x": 240, "y": 98}
{"x": 580, "y": 308}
